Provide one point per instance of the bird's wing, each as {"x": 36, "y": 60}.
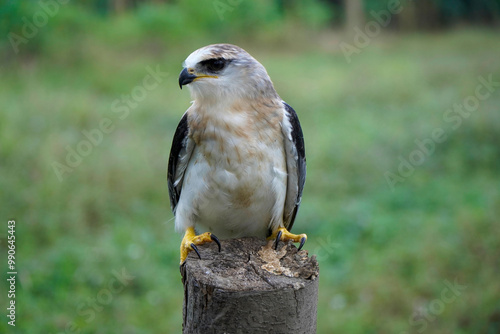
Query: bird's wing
{"x": 180, "y": 153}
{"x": 296, "y": 164}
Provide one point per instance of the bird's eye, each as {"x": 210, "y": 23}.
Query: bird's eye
{"x": 215, "y": 65}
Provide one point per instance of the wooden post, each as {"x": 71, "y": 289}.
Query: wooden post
{"x": 250, "y": 288}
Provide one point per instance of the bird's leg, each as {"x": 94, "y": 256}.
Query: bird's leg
{"x": 191, "y": 240}
{"x": 282, "y": 233}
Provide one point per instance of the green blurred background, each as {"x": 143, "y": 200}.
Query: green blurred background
{"x": 402, "y": 199}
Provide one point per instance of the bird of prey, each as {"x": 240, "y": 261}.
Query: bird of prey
{"x": 237, "y": 164}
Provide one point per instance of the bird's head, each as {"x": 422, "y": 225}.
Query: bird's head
{"x": 225, "y": 71}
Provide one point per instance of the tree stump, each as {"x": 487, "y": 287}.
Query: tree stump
{"x": 250, "y": 288}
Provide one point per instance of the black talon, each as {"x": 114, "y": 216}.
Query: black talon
{"x": 278, "y": 237}
{"x": 193, "y": 246}
{"x": 302, "y": 242}
{"x": 214, "y": 238}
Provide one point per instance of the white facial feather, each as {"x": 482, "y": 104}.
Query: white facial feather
{"x": 243, "y": 77}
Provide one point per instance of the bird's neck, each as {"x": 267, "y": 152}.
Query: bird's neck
{"x": 216, "y": 98}
{"x": 217, "y": 105}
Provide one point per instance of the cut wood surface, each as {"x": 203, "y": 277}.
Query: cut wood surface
{"x": 250, "y": 288}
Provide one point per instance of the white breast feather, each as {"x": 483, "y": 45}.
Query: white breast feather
{"x": 239, "y": 190}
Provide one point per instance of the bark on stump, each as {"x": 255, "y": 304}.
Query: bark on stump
{"x": 250, "y": 288}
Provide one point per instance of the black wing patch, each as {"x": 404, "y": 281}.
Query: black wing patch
{"x": 298, "y": 164}
{"x": 177, "y": 152}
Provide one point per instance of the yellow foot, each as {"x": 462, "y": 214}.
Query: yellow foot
{"x": 191, "y": 240}
{"x": 282, "y": 234}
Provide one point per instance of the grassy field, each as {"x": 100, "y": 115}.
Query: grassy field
{"x": 97, "y": 251}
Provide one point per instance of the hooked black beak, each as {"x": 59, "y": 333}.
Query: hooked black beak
{"x": 185, "y": 77}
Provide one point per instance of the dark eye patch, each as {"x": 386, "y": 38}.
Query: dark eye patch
{"x": 215, "y": 64}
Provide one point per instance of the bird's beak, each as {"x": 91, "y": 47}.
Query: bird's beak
{"x": 186, "y": 77}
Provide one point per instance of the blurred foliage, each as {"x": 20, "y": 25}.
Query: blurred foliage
{"x": 435, "y": 14}
{"x": 175, "y": 21}
{"x": 449, "y": 10}
{"x": 169, "y": 22}
{"x": 385, "y": 254}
